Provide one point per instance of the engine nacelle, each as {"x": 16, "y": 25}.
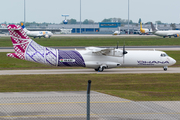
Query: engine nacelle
{"x": 46, "y": 36}
{"x": 176, "y": 35}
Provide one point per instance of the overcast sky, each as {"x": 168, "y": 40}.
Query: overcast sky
{"x": 167, "y": 11}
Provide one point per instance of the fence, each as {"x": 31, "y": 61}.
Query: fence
{"x": 103, "y": 107}
{"x": 73, "y": 106}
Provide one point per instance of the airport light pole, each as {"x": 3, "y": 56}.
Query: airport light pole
{"x": 128, "y": 17}
{"x": 80, "y": 16}
{"x": 24, "y": 12}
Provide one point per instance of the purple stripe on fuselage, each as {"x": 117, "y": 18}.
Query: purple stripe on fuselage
{"x": 71, "y": 55}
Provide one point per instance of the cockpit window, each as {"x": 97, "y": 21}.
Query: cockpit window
{"x": 163, "y": 55}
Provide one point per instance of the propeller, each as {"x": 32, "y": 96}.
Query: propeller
{"x": 124, "y": 52}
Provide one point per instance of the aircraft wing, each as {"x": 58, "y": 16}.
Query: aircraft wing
{"x": 103, "y": 51}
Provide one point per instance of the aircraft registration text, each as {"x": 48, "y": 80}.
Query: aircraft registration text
{"x": 67, "y": 60}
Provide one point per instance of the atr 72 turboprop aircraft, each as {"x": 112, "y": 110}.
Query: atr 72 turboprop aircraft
{"x": 45, "y": 34}
{"x": 93, "y": 57}
{"x": 164, "y": 34}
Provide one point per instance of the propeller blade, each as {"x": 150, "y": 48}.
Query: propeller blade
{"x": 124, "y": 52}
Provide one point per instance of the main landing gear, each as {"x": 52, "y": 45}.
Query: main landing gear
{"x": 101, "y": 68}
{"x": 165, "y": 68}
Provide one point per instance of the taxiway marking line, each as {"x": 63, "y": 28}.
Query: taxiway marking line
{"x": 63, "y": 102}
{"x": 68, "y": 115}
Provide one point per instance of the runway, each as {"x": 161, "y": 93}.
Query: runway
{"x": 91, "y": 71}
{"x": 72, "y": 106}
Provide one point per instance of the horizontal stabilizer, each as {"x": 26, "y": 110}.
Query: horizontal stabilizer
{"x": 17, "y": 55}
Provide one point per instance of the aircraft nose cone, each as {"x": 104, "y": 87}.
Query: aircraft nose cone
{"x": 173, "y": 61}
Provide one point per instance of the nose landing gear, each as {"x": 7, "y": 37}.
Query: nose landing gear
{"x": 165, "y": 68}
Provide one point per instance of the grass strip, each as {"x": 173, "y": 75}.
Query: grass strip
{"x": 138, "y": 87}
{"x": 99, "y": 41}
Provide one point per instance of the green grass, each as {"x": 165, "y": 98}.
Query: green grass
{"x": 130, "y": 86}
{"x": 138, "y": 87}
{"x": 98, "y": 41}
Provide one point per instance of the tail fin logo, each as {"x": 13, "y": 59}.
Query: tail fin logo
{"x": 153, "y": 28}
{"x": 22, "y": 25}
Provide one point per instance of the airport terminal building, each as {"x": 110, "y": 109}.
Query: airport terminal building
{"x": 96, "y": 28}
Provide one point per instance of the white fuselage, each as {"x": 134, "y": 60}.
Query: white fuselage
{"x": 132, "y": 58}
{"x": 167, "y": 33}
{"x": 144, "y": 30}
{"x": 39, "y": 33}
{"x": 117, "y": 33}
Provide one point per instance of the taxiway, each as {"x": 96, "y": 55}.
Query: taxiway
{"x": 72, "y": 106}
{"x": 91, "y": 71}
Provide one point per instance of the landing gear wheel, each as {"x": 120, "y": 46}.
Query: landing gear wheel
{"x": 101, "y": 69}
{"x": 96, "y": 69}
{"x": 165, "y": 68}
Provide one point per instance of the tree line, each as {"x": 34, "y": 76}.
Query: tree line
{"x": 90, "y": 21}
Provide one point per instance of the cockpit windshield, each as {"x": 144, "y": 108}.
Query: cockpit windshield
{"x": 164, "y": 55}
